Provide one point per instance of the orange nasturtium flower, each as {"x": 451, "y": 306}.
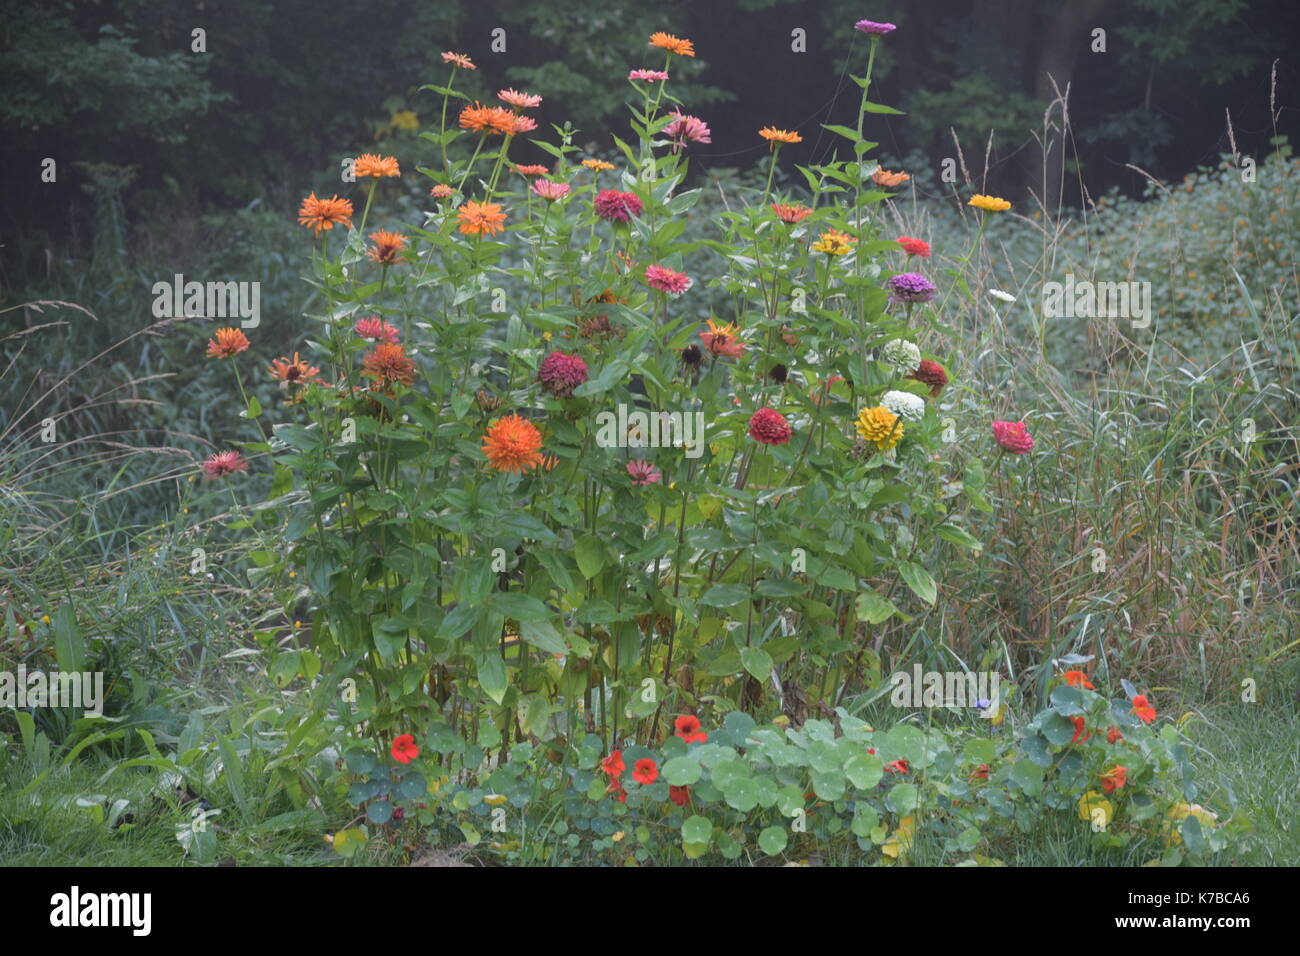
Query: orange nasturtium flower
{"x": 227, "y": 344}
{"x": 774, "y": 136}
{"x": 672, "y": 44}
{"x": 317, "y": 214}
{"x": 1078, "y": 679}
{"x": 371, "y": 164}
{"x": 387, "y": 246}
{"x": 1146, "y": 713}
{"x": 477, "y": 218}
{"x": 1114, "y": 778}
{"x": 513, "y": 444}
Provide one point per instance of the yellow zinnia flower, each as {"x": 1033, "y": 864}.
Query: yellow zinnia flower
{"x": 833, "y": 243}
{"x": 989, "y": 203}
{"x": 881, "y": 426}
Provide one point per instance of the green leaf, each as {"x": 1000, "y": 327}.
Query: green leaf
{"x": 919, "y": 580}
{"x": 864, "y": 771}
{"x": 879, "y": 108}
{"x": 1028, "y": 776}
{"x": 873, "y": 608}
{"x": 590, "y": 554}
{"x": 903, "y": 798}
{"x": 519, "y": 607}
{"x": 724, "y": 595}
{"x": 950, "y": 532}
{"x": 682, "y": 771}
{"x": 492, "y": 676}
{"x": 697, "y": 829}
{"x": 284, "y": 668}
{"x": 757, "y": 661}
{"x": 69, "y": 645}
{"x": 773, "y": 840}
{"x": 542, "y": 634}
{"x": 1068, "y": 701}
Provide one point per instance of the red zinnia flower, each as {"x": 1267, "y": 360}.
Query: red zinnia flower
{"x": 932, "y": 374}
{"x": 1080, "y": 734}
{"x": 404, "y": 749}
{"x": 1078, "y": 679}
{"x": 687, "y": 726}
{"x": 613, "y": 764}
{"x": 679, "y": 795}
{"x": 377, "y": 329}
{"x": 560, "y": 373}
{"x": 616, "y": 206}
{"x": 666, "y": 280}
{"x": 645, "y": 772}
{"x": 769, "y": 427}
{"x": 914, "y": 247}
{"x": 1146, "y": 713}
{"x": 1013, "y": 437}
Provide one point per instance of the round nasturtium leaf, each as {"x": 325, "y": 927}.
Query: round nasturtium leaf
{"x": 697, "y": 829}
{"x": 772, "y": 840}
{"x": 682, "y": 771}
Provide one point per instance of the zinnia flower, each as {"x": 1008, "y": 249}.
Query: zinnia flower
{"x": 687, "y": 726}
{"x": 387, "y": 246}
{"x": 389, "y": 363}
{"x": 1013, "y": 437}
{"x": 904, "y": 405}
{"x": 769, "y": 427}
{"x": 404, "y": 749}
{"x": 520, "y": 101}
{"x": 489, "y": 119}
{"x": 774, "y": 136}
{"x": 932, "y": 374}
{"x": 914, "y": 247}
{"x": 460, "y": 60}
{"x": 318, "y": 214}
{"x": 616, "y": 206}
{"x": 880, "y": 426}
{"x": 722, "y": 340}
{"x": 871, "y": 26}
{"x": 650, "y": 76}
{"x": 373, "y": 327}
{"x": 224, "y": 463}
{"x": 1002, "y": 296}
{"x": 1114, "y": 778}
{"x": 883, "y": 177}
{"x": 560, "y": 373}
{"x": 833, "y": 243}
{"x": 643, "y": 473}
{"x": 373, "y": 165}
{"x": 292, "y": 373}
{"x": 479, "y": 218}
{"x": 613, "y": 765}
{"x": 597, "y": 165}
{"x": 513, "y": 444}
{"x": 901, "y": 355}
{"x": 1078, "y": 679}
{"x": 681, "y": 796}
{"x": 550, "y": 191}
{"x": 666, "y": 280}
{"x": 1146, "y": 713}
{"x": 911, "y": 288}
{"x": 227, "y": 344}
{"x": 791, "y": 214}
{"x": 989, "y": 203}
{"x": 441, "y": 191}
{"x": 686, "y": 129}
{"x": 535, "y": 169}
{"x": 645, "y": 772}
{"x": 672, "y": 44}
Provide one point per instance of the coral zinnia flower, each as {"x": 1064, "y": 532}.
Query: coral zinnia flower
{"x": 791, "y": 214}
{"x": 477, "y": 218}
{"x": 404, "y": 749}
{"x": 460, "y": 60}
{"x": 598, "y": 165}
{"x": 389, "y": 363}
{"x": 519, "y": 124}
{"x": 833, "y": 243}
{"x": 650, "y": 76}
{"x": 687, "y": 726}
{"x": 914, "y": 247}
{"x": 679, "y": 795}
{"x": 613, "y": 765}
{"x": 373, "y": 327}
{"x": 645, "y": 772}
{"x": 1013, "y": 437}
{"x": 513, "y": 444}
{"x": 774, "y": 136}
{"x": 687, "y": 129}
{"x": 550, "y": 191}
{"x": 881, "y": 426}
{"x": 769, "y": 426}
{"x": 227, "y": 344}
{"x": 318, "y": 214}
{"x": 666, "y": 280}
{"x": 387, "y": 246}
{"x": 522, "y": 101}
{"x": 932, "y": 374}
{"x": 560, "y": 373}
{"x": 1080, "y": 734}
{"x": 441, "y": 191}
{"x": 672, "y": 44}
{"x": 534, "y": 170}
{"x": 224, "y": 463}
{"x": 989, "y": 203}
{"x": 722, "y": 340}
{"x": 643, "y": 473}
{"x": 1114, "y": 778}
{"x": 616, "y": 206}
{"x": 1146, "y": 713}
{"x": 883, "y": 177}
{"x": 292, "y": 373}
{"x": 370, "y": 164}
{"x": 1078, "y": 679}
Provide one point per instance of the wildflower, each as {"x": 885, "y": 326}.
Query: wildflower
{"x": 293, "y": 373}
{"x": 1146, "y": 713}
{"x": 686, "y": 129}
{"x": 1080, "y": 734}
{"x": 613, "y": 765}
{"x": 880, "y": 426}
{"x": 460, "y": 60}
{"x": 1113, "y": 735}
{"x": 1078, "y": 679}
{"x": 791, "y": 214}
{"x": 479, "y": 218}
{"x": 649, "y": 76}
{"x": 404, "y": 749}
{"x": 227, "y": 344}
{"x": 375, "y": 166}
{"x": 512, "y": 444}
{"x": 911, "y": 288}
{"x": 616, "y": 206}
{"x": 520, "y": 101}
{"x": 681, "y": 796}
{"x": 833, "y": 243}
{"x": 870, "y": 26}
{"x": 441, "y": 191}
{"x": 769, "y": 427}
{"x": 224, "y": 463}
{"x": 904, "y": 405}
{"x": 1002, "y": 296}
{"x": 535, "y": 169}
{"x": 914, "y": 247}
{"x": 319, "y": 214}
{"x": 989, "y": 203}
{"x": 666, "y": 280}
{"x": 597, "y": 165}
{"x": 883, "y": 177}
{"x": 1114, "y": 778}
{"x": 560, "y": 373}
{"x": 550, "y": 191}
{"x": 645, "y": 772}
{"x": 774, "y": 136}
{"x": 643, "y": 473}
{"x": 376, "y": 329}
{"x": 901, "y": 355}
{"x": 897, "y": 766}
{"x": 387, "y": 246}
{"x": 687, "y": 726}
{"x": 672, "y": 44}
{"x": 932, "y": 374}
{"x": 722, "y": 340}
{"x": 389, "y": 363}
{"x": 1013, "y": 437}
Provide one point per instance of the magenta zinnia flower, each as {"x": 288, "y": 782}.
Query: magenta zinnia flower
{"x": 550, "y": 191}
{"x": 911, "y": 287}
{"x": 687, "y": 129}
{"x": 616, "y": 206}
{"x": 224, "y": 463}
{"x": 643, "y": 473}
{"x": 1013, "y": 437}
{"x": 871, "y": 26}
{"x": 666, "y": 280}
{"x": 651, "y": 76}
{"x": 769, "y": 426}
{"x": 376, "y": 329}
{"x": 561, "y": 373}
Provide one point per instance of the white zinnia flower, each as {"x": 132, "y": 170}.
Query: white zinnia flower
{"x": 905, "y": 405}
{"x": 1004, "y": 296}
{"x": 901, "y": 355}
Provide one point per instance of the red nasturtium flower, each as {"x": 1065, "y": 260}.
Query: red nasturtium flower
{"x": 679, "y": 795}
{"x": 979, "y": 773}
{"x": 1113, "y": 734}
{"x": 645, "y": 772}
{"x": 1078, "y": 679}
{"x": 897, "y": 766}
{"x": 1114, "y": 778}
{"x": 687, "y": 726}
{"x": 613, "y": 765}
{"x": 1080, "y": 734}
{"x": 404, "y": 749}
{"x": 1146, "y": 713}
{"x": 617, "y": 790}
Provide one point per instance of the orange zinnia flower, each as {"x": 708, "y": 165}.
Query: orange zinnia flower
{"x": 389, "y": 363}
{"x": 1078, "y": 679}
{"x": 791, "y": 214}
{"x": 723, "y": 340}
{"x": 372, "y": 164}
{"x": 227, "y": 344}
{"x": 290, "y": 373}
{"x": 460, "y": 60}
{"x": 597, "y": 164}
{"x": 883, "y": 177}
{"x": 387, "y": 246}
{"x": 318, "y": 214}
{"x": 672, "y": 44}
{"x": 477, "y": 218}
{"x": 774, "y": 136}
{"x": 488, "y": 119}
{"x": 513, "y": 444}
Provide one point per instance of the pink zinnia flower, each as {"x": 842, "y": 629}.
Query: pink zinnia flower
{"x": 550, "y": 191}
{"x": 523, "y": 124}
{"x": 686, "y": 129}
{"x": 520, "y": 101}
{"x": 616, "y": 206}
{"x": 376, "y": 329}
{"x": 1013, "y": 437}
{"x": 441, "y": 191}
{"x": 643, "y": 473}
{"x": 666, "y": 280}
{"x": 650, "y": 76}
{"x": 871, "y": 26}
{"x": 769, "y": 426}
{"x": 224, "y": 463}
{"x": 561, "y": 373}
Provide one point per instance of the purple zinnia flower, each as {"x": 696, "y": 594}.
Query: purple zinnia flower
{"x": 561, "y": 373}
{"x": 871, "y": 26}
{"x": 911, "y": 287}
